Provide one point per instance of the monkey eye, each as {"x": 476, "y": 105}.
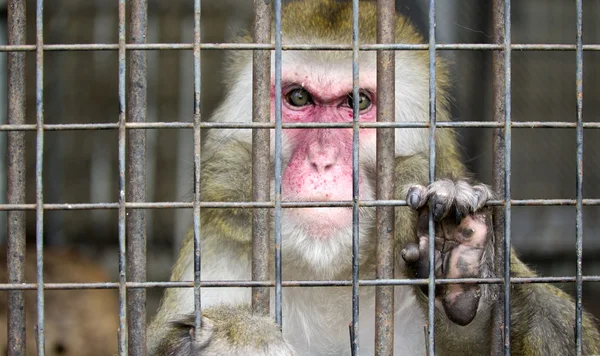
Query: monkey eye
{"x": 298, "y": 97}
{"x": 364, "y": 102}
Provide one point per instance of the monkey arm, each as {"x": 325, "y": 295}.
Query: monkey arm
{"x": 542, "y": 316}
{"x": 543, "y": 319}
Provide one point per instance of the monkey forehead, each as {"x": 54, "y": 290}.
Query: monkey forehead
{"x": 332, "y": 19}
{"x": 327, "y": 74}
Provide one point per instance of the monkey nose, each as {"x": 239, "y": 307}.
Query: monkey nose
{"x": 322, "y": 158}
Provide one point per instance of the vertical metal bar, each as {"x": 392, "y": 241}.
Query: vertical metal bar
{"x": 497, "y": 330}
{"x": 579, "y": 184}
{"x": 136, "y": 179}
{"x": 278, "y": 133}
{"x": 39, "y": 164}
{"x": 432, "y": 121}
{"x": 16, "y": 169}
{"x": 261, "y": 155}
{"x": 3, "y": 120}
{"x": 384, "y": 296}
{"x": 355, "y": 347}
{"x": 507, "y": 173}
{"x": 197, "y": 169}
{"x": 123, "y": 340}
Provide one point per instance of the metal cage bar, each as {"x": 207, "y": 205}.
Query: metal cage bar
{"x": 298, "y": 125}
{"x": 278, "y": 168}
{"x": 132, "y": 250}
{"x": 507, "y": 171}
{"x": 354, "y": 326}
{"x": 299, "y": 47}
{"x": 296, "y": 283}
{"x": 16, "y": 177}
{"x": 39, "y": 183}
{"x": 579, "y": 179}
{"x": 197, "y": 169}
{"x": 497, "y": 337}
{"x": 136, "y": 179}
{"x": 432, "y": 127}
{"x": 284, "y": 204}
{"x": 386, "y": 154}
{"x": 261, "y": 155}
{"x": 123, "y": 333}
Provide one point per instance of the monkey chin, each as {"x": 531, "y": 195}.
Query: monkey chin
{"x": 320, "y": 223}
{"x": 318, "y": 247}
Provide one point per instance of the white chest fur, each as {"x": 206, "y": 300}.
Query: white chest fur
{"x": 315, "y": 321}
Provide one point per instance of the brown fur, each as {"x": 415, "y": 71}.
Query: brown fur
{"x": 77, "y": 322}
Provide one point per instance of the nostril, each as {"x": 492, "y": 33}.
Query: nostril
{"x": 321, "y": 167}
{"x": 322, "y": 158}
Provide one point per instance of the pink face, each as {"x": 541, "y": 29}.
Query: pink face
{"x": 320, "y": 160}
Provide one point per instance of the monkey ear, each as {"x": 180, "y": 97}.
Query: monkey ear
{"x": 204, "y": 336}
{"x": 186, "y": 331}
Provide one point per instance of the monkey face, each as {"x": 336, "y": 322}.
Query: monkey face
{"x": 317, "y": 163}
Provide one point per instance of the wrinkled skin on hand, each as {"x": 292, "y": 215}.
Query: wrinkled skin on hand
{"x": 462, "y": 232}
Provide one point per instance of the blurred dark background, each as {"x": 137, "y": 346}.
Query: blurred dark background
{"x": 81, "y": 87}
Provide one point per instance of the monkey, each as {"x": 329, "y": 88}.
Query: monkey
{"x": 317, "y": 242}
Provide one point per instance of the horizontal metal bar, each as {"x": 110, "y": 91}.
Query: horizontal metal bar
{"x": 294, "y": 283}
{"x": 298, "y": 47}
{"x": 298, "y": 125}
{"x": 284, "y": 204}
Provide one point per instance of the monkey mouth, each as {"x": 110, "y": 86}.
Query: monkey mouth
{"x": 321, "y": 222}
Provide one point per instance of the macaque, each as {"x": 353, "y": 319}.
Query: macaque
{"x": 77, "y": 322}
{"x": 317, "y": 242}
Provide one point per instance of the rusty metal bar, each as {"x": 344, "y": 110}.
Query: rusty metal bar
{"x": 261, "y": 155}
{"x": 122, "y": 216}
{"x": 136, "y": 179}
{"x": 284, "y": 204}
{"x": 432, "y": 126}
{"x": 39, "y": 182}
{"x": 507, "y": 171}
{"x": 497, "y": 329}
{"x": 386, "y": 154}
{"x": 197, "y": 170}
{"x": 295, "y": 283}
{"x": 299, "y": 125}
{"x": 354, "y": 326}
{"x": 299, "y": 47}
{"x": 15, "y": 172}
{"x": 579, "y": 183}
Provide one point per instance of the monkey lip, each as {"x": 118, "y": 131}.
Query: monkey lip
{"x": 321, "y": 222}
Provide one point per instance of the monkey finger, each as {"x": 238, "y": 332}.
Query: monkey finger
{"x": 441, "y": 196}
{"x": 410, "y": 253}
{"x": 416, "y": 197}
{"x": 483, "y": 193}
{"x": 423, "y": 230}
